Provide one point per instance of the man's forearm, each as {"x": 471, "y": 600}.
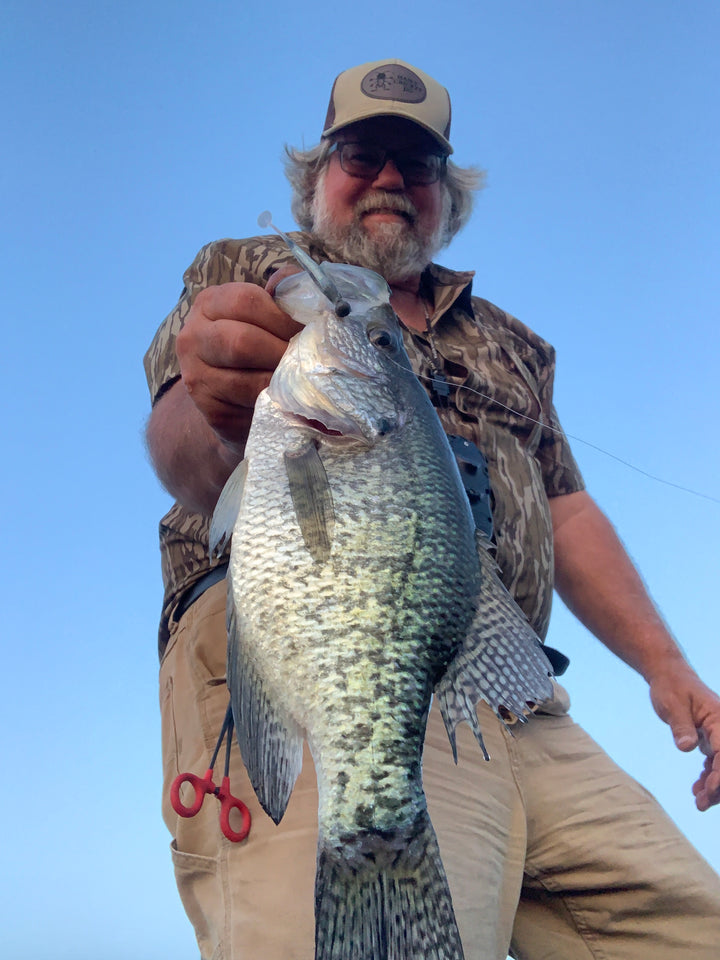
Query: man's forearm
{"x": 191, "y": 461}
{"x": 596, "y": 579}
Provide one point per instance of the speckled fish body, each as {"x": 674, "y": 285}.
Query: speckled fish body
{"x": 355, "y": 591}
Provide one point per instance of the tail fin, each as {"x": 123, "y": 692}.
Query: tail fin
{"x": 384, "y": 898}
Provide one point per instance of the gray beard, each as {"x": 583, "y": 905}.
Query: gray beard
{"x": 397, "y": 251}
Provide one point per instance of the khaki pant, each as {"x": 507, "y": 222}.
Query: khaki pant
{"x": 552, "y": 852}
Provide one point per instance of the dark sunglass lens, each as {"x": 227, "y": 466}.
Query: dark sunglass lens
{"x": 421, "y": 169}
{"x": 361, "y": 160}
{"x": 367, "y": 160}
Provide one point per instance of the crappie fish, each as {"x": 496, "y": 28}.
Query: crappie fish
{"x": 355, "y": 591}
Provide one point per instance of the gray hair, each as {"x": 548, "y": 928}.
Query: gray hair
{"x": 303, "y": 169}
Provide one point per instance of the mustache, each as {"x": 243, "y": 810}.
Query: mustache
{"x": 385, "y": 200}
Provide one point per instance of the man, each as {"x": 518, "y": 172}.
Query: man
{"x": 551, "y": 851}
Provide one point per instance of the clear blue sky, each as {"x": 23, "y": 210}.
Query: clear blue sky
{"x": 133, "y": 133}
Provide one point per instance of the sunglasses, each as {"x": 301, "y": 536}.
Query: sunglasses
{"x": 417, "y": 167}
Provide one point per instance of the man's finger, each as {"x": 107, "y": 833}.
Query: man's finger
{"x": 686, "y": 738}
{"x": 240, "y": 345}
{"x": 227, "y": 389}
{"x": 245, "y": 302}
{"x": 707, "y": 787}
{"x": 288, "y": 270}
{"x": 704, "y": 744}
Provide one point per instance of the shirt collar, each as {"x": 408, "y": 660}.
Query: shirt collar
{"x": 449, "y": 288}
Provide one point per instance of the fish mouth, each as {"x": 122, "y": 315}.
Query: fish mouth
{"x": 325, "y": 431}
{"x": 347, "y": 433}
{"x": 318, "y": 426}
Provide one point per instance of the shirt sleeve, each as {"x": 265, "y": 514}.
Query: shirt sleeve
{"x": 161, "y": 364}
{"x": 535, "y": 360}
{"x": 561, "y": 473}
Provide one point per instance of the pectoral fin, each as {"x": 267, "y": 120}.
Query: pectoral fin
{"x": 500, "y": 661}
{"x": 227, "y": 508}
{"x": 312, "y": 499}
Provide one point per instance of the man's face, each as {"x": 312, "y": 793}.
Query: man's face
{"x": 381, "y": 222}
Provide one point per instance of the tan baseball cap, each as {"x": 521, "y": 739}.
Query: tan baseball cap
{"x": 389, "y": 88}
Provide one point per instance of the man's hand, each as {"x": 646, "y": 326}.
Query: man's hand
{"x": 692, "y": 711}
{"x": 232, "y": 340}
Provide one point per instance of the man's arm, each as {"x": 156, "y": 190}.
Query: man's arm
{"x": 598, "y": 582}
{"x": 232, "y": 340}
{"x": 190, "y": 459}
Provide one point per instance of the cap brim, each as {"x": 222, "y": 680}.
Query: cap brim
{"x": 389, "y": 109}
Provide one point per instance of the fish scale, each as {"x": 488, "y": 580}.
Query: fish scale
{"x": 376, "y": 630}
{"x": 356, "y": 589}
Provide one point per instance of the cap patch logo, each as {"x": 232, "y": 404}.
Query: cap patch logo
{"x": 393, "y": 82}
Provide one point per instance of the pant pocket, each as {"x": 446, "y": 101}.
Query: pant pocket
{"x": 199, "y": 883}
{"x": 169, "y": 745}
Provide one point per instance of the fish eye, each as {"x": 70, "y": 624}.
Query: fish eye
{"x": 381, "y": 337}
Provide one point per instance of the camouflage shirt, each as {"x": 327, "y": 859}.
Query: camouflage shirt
{"x": 505, "y": 409}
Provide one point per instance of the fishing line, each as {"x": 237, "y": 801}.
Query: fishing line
{"x": 342, "y": 308}
{"x": 562, "y": 433}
